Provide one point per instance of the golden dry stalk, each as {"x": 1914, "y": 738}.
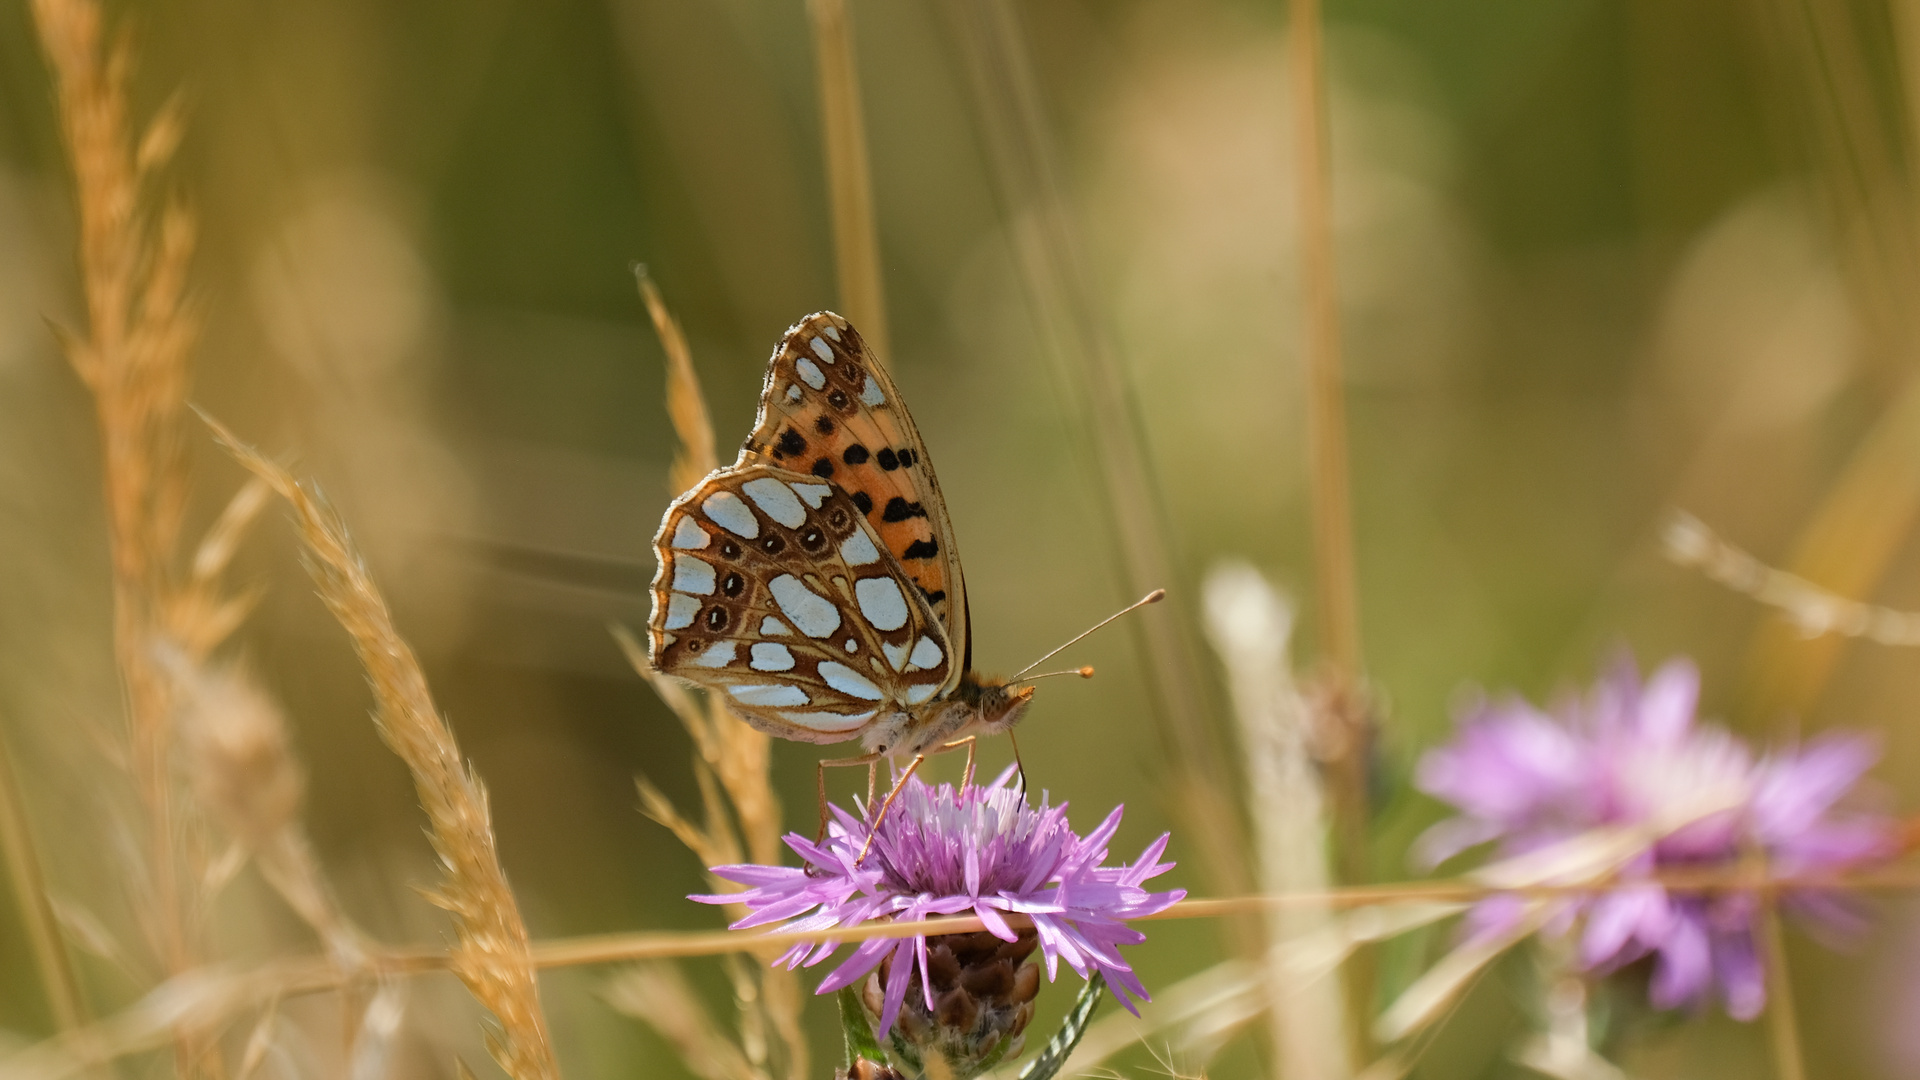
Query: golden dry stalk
{"x": 491, "y": 956}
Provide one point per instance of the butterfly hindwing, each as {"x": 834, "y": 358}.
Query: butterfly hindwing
{"x": 772, "y": 589}
{"x": 829, "y": 410}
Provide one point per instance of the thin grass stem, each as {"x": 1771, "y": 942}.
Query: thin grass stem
{"x": 843, "y": 130}
{"x": 1783, "y": 1022}
{"x": 1106, "y": 419}
{"x": 1345, "y": 720}
{"x": 50, "y": 956}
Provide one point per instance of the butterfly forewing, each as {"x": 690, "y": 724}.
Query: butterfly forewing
{"x": 774, "y": 590}
{"x": 829, "y": 410}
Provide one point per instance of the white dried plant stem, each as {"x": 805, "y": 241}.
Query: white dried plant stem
{"x": 1812, "y": 610}
{"x": 1250, "y": 626}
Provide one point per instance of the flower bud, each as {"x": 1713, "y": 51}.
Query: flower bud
{"x": 983, "y": 992}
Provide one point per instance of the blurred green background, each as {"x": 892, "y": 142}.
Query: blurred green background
{"x": 1596, "y": 260}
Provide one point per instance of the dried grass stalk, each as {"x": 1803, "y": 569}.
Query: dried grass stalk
{"x": 843, "y": 130}
{"x": 658, "y": 994}
{"x": 731, "y": 757}
{"x": 685, "y": 406}
{"x": 492, "y": 956}
{"x": 1027, "y": 174}
{"x": 1251, "y": 626}
{"x": 133, "y": 359}
{"x": 22, "y": 861}
{"x": 1812, "y": 610}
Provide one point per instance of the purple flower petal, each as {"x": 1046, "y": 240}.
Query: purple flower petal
{"x": 947, "y": 851}
{"x": 1633, "y": 757}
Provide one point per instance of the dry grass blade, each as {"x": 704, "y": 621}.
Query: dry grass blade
{"x": 1812, "y": 610}
{"x": 1427, "y": 999}
{"x": 1251, "y": 627}
{"x": 492, "y": 956}
{"x": 856, "y": 237}
{"x": 685, "y": 405}
{"x": 1783, "y": 1024}
{"x": 1195, "y": 1015}
{"x": 22, "y": 861}
{"x": 739, "y": 757}
{"x": 1021, "y": 155}
{"x": 658, "y": 995}
{"x": 133, "y": 359}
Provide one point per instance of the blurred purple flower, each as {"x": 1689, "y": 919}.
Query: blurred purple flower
{"x": 947, "y": 851}
{"x": 1631, "y": 755}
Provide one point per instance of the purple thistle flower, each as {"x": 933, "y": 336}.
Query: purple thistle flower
{"x": 1632, "y": 755}
{"x": 947, "y": 851}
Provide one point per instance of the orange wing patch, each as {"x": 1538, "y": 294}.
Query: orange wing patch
{"x": 829, "y": 410}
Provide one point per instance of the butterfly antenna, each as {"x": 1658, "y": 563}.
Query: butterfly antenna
{"x": 1083, "y": 672}
{"x": 1153, "y": 597}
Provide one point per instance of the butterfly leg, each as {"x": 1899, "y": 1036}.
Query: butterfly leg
{"x": 820, "y": 781}
{"x": 874, "y": 825}
{"x": 966, "y": 778}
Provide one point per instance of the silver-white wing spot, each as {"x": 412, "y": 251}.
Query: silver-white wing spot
{"x": 852, "y": 646}
{"x": 765, "y": 694}
{"x": 810, "y": 372}
{"x": 718, "y": 654}
{"x": 688, "y": 535}
{"x": 829, "y": 721}
{"x": 773, "y": 627}
{"x": 777, "y": 500}
{"x": 848, "y": 681}
{"x": 681, "y": 609}
{"x": 727, "y": 511}
{"x": 920, "y": 693}
{"x": 871, "y": 396}
{"x": 690, "y": 575}
{"x": 793, "y": 393}
{"x": 814, "y": 614}
{"x": 771, "y": 656}
{"x": 857, "y": 550}
{"x": 882, "y": 602}
{"x": 927, "y": 654}
{"x": 813, "y": 494}
{"x": 830, "y": 330}
{"x": 896, "y": 654}
{"x": 821, "y": 349}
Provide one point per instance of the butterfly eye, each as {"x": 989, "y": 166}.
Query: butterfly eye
{"x": 733, "y": 585}
{"x": 716, "y": 619}
{"x": 813, "y": 540}
{"x": 773, "y": 545}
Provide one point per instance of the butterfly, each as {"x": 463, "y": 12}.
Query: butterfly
{"x": 814, "y": 583}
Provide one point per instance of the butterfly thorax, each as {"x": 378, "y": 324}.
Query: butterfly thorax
{"x": 978, "y": 706}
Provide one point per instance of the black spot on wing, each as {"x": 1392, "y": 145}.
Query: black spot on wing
{"x": 824, "y": 424}
{"x": 864, "y": 501}
{"x": 899, "y": 509}
{"x": 933, "y": 597}
{"x": 790, "y": 443}
{"x": 888, "y": 459}
{"x": 854, "y": 455}
{"x": 908, "y": 457}
{"x": 921, "y": 549}
{"x": 823, "y": 468}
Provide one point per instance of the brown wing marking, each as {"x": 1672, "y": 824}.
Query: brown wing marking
{"x": 828, "y": 409}
{"x": 767, "y": 585}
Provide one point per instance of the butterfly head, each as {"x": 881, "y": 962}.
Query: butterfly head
{"x": 997, "y": 703}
